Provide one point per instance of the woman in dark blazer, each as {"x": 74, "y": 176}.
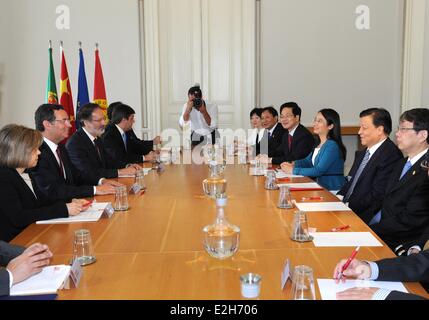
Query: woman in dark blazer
{"x": 19, "y": 150}
{"x": 325, "y": 163}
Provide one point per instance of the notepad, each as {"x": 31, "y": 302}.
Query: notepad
{"x": 345, "y": 239}
{"x": 92, "y": 214}
{"x": 49, "y": 280}
{"x": 281, "y": 175}
{"x": 301, "y": 186}
{"x": 145, "y": 172}
{"x": 328, "y": 288}
{"x": 321, "y": 206}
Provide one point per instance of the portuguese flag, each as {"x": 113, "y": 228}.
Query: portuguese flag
{"x": 51, "y": 87}
{"x": 99, "y": 89}
{"x": 66, "y": 99}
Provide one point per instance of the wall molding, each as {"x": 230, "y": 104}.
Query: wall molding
{"x": 151, "y": 67}
{"x": 414, "y": 45}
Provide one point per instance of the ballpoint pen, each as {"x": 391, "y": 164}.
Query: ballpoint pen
{"x": 86, "y": 205}
{"x": 349, "y": 260}
{"x": 340, "y": 228}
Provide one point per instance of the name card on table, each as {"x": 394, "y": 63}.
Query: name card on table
{"x": 285, "y": 274}
{"x": 76, "y": 272}
{"x": 109, "y": 211}
{"x": 135, "y": 188}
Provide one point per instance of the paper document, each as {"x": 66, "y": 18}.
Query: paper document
{"x": 92, "y": 214}
{"x": 345, "y": 239}
{"x": 49, "y": 280}
{"x": 281, "y": 175}
{"x": 328, "y": 288}
{"x": 302, "y": 186}
{"x": 321, "y": 206}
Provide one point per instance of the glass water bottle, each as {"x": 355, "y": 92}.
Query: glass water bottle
{"x": 221, "y": 239}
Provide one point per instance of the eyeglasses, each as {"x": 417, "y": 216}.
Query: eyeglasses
{"x": 63, "y": 120}
{"x": 97, "y": 120}
{"x": 402, "y": 129}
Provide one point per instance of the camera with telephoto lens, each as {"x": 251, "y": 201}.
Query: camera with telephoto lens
{"x": 198, "y": 101}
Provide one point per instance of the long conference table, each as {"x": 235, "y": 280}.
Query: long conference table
{"x": 155, "y": 249}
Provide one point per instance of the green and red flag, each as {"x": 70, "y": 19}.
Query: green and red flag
{"x": 66, "y": 99}
{"x": 51, "y": 87}
{"x": 99, "y": 89}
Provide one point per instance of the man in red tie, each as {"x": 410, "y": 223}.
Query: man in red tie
{"x": 297, "y": 141}
{"x": 55, "y": 177}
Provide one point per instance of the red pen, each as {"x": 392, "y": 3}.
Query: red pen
{"x": 346, "y": 265}
{"x": 86, "y": 205}
{"x": 312, "y": 198}
{"x": 340, "y": 228}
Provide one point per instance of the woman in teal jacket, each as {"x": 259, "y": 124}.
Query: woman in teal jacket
{"x": 325, "y": 164}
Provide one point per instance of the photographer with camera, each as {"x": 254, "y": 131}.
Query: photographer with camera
{"x": 202, "y": 116}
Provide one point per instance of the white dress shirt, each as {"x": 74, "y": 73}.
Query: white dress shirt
{"x": 197, "y": 121}
{"x": 53, "y": 146}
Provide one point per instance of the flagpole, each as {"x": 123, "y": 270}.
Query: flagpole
{"x": 50, "y": 44}
{"x": 96, "y": 46}
{"x": 80, "y": 44}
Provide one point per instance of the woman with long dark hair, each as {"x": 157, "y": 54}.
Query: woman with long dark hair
{"x": 325, "y": 163}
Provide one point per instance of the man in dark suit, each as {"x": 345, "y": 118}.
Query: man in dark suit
{"x": 143, "y": 147}
{"x": 372, "y": 167}
{"x": 86, "y": 150}
{"x": 404, "y": 213}
{"x": 273, "y": 134}
{"x": 411, "y": 268}
{"x": 55, "y": 177}
{"x": 297, "y": 141}
{"x": 119, "y": 140}
{"x": 18, "y": 263}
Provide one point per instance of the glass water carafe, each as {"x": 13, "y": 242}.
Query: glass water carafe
{"x": 221, "y": 239}
{"x": 215, "y": 185}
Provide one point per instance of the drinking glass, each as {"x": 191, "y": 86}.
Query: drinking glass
{"x": 82, "y": 247}
{"x": 303, "y": 283}
{"x": 121, "y": 198}
{"x": 285, "y": 199}
{"x": 300, "y": 228}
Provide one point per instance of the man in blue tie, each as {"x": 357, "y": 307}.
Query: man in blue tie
{"x": 118, "y": 141}
{"x": 372, "y": 167}
{"x": 404, "y": 213}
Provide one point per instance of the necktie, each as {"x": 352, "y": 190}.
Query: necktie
{"x": 124, "y": 138}
{"x": 406, "y": 168}
{"x": 269, "y": 134}
{"x": 357, "y": 175}
{"x": 290, "y": 141}
{"x": 257, "y": 138}
{"x": 60, "y": 161}
{"x": 97, "y": 147}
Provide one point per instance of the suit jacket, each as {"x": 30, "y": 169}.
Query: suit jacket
{"x": 49, "y": 182}
{"x": 404, "y": 214}
{"x": 410, "y": 268}
{"x": 422, "y": 242}
{"x": 328, "y": 168}
{"x": 270, "y": 145}
{"x": 84, "y": 156}
{"x": 367, "y": 197}
{"x": 302, "y": 144}
{"x": 7, "y": 253}
{"x": 112, "y": 141}
{"x": 140, "y": 147}
{"x": 20, "y": 207}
